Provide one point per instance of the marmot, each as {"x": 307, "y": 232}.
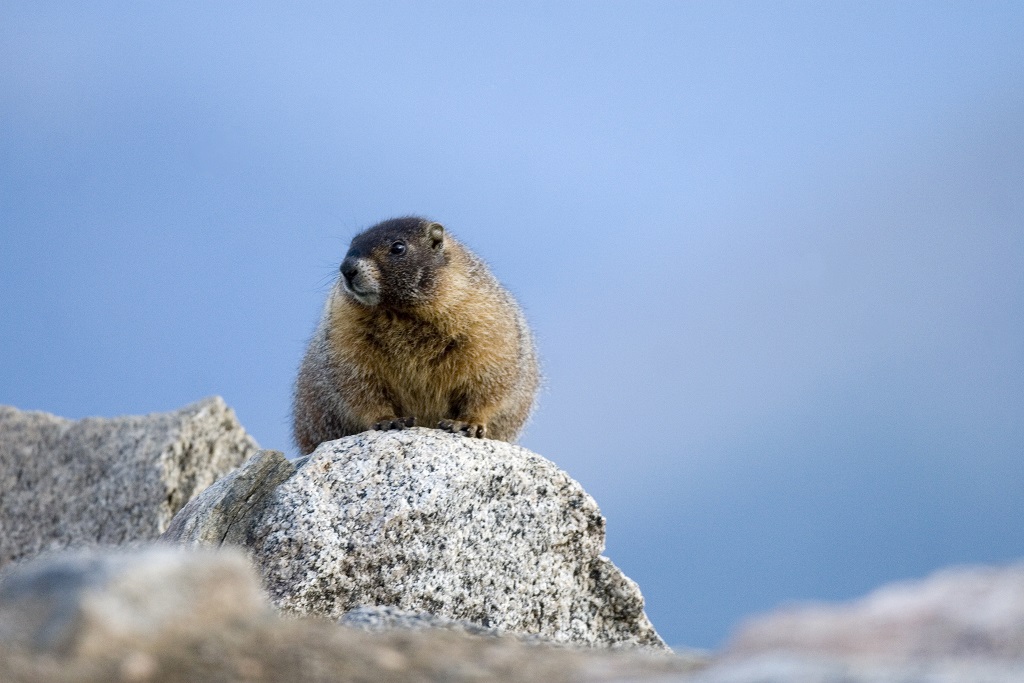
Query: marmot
{"x": 416, "y": 331}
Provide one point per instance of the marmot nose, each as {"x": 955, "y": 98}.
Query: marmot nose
{"x": 349, "y": 270}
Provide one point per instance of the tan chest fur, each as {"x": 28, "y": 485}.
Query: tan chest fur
{"x": 427, "y": 361}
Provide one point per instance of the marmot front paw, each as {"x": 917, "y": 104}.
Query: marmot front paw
{"x": 464, "y": 428}
{"x": 395, "y": 423}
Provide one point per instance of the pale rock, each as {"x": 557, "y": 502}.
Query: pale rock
{"x": 384, "y": 618}
{"x": 166, "y": 614}
{"x": 86, "y": 602}
{"x": 420, "y": 520}
{"x": 789, "y": 668}
{"x": 100, "y": 481}
{"x": 229, "y": 507}
{"x": 961, "y": 612}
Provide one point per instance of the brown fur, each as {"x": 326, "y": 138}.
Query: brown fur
{"x": 427, "y": 337}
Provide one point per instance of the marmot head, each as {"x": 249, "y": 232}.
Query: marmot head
{"x": 394, "y": 264}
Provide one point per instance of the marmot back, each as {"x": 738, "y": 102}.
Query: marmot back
{"x": 416, "y": 331}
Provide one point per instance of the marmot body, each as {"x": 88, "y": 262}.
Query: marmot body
{"x": 415, "y": 331}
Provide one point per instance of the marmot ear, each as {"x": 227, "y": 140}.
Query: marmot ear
{"x": 435, "y": 233}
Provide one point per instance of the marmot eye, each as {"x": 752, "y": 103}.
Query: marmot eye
{"x": 398, "y": 248}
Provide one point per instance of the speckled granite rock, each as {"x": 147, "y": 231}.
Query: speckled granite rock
{"x": 107, "y": 481}
{"x": 420, "y": 520}
{"x": 965, "y": 612}
{"x": 173, "y": 615}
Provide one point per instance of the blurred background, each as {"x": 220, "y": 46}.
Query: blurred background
{"x": 773, "y": 252}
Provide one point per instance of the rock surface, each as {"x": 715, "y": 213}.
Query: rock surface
{"x": 383, "y": 619}
{"x": 965, "y": 612}
{"x": 162, "y": 615}
{"x": 466, "y": 529}
{"x": 228, "y": 509}
{"x": 84, "y": 602}
{"x": 442, "y": 559}
{"x": 167, "y": 614}
{"x": 780, "y": 668}
{"x": 107, "y": 481}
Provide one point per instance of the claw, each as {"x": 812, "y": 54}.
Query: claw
{"x": 467, "y": 429}
{"x": 395, "y": 423}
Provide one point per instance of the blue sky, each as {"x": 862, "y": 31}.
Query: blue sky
{"x": 773, "y": 252}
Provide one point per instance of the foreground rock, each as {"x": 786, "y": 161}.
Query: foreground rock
{"x": 966, "y": 612}
{"x": 107, "y": 481}
{"x": 380, "y": 619}
{"x": 165, "y": 614}
{"x": 423, "y": 521}
{"x": 84, "y": 603}
{"x": 781, "y": 668}
{"x": 958, "y": 626}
